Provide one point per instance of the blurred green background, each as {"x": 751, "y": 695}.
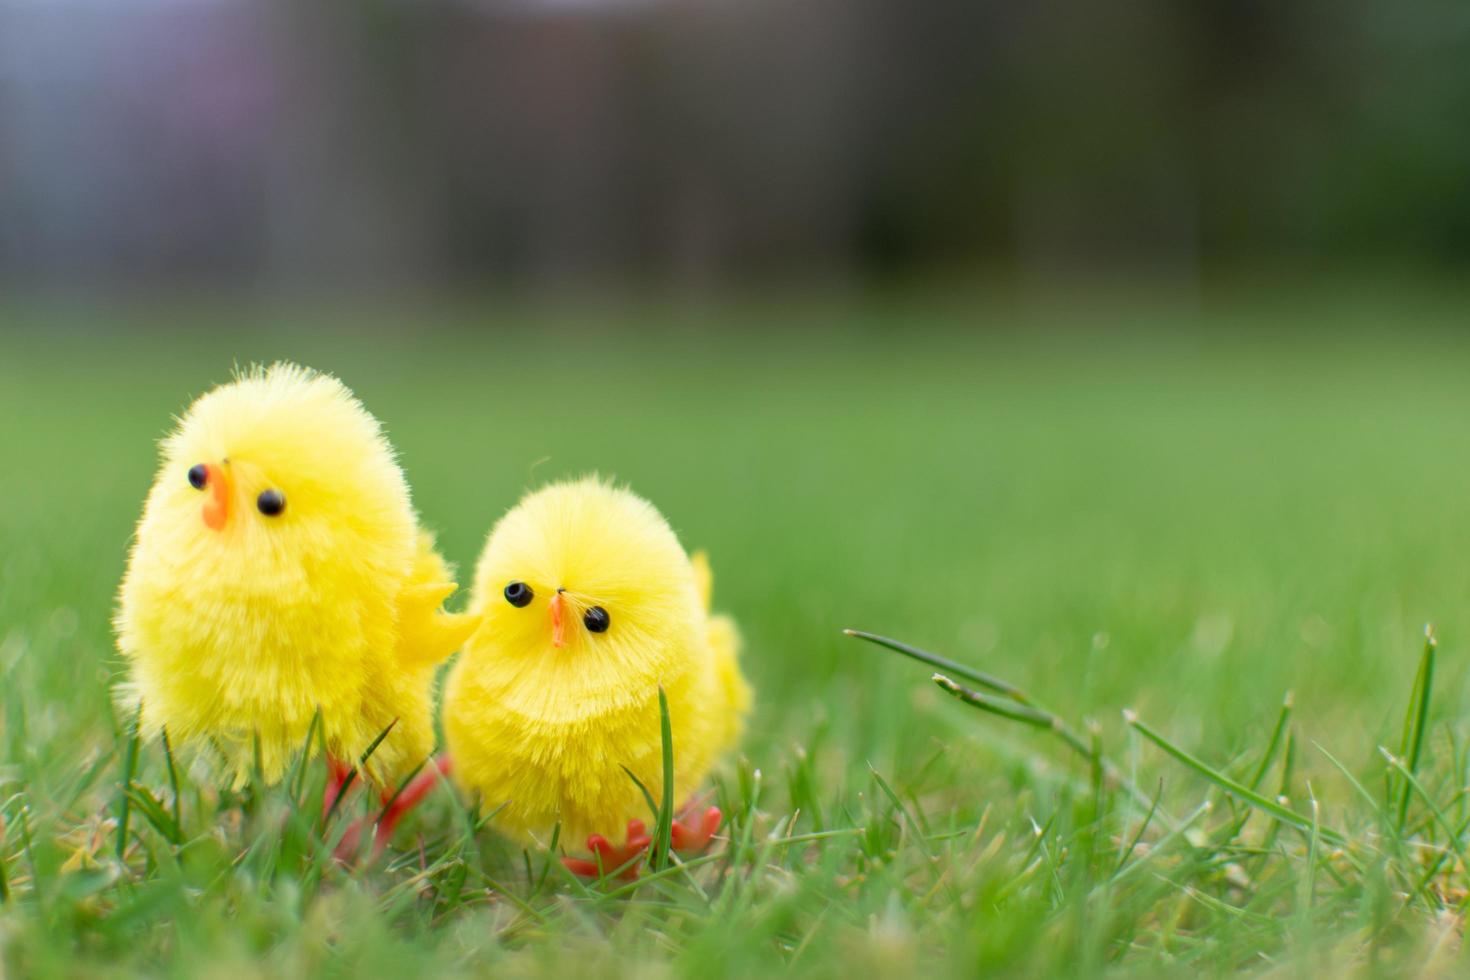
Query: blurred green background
{"x": 1188, "y": 514}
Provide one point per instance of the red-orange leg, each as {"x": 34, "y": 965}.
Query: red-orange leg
{"x": 395, "y": 809}
{"x": 608, "y": 859}
{"x": 694, "y": 835}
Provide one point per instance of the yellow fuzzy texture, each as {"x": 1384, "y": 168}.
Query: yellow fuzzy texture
{"x": 547, "y": 731}
{"x": 245, "y": 631}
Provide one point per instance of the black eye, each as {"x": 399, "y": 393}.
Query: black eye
{"x": 270, "y": 502}
{"x": 519, "y": 594}
{"x": 198, "y": 476}
{"x": 595, "y": 619}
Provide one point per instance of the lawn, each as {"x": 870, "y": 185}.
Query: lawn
{"x": 1182, "y": 511}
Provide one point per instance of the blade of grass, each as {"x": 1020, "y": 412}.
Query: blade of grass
{"x": 155, "y": 813}
{"x": 1034, "y": 715}
{"x": 402, "y": 785}
{"x": 647, "y": 796}
{"x": 1283, "y": 718}
{"x": 130, "y": 766}
{"x": 257, "y": 759}
{"x": 352, "y": 773}
{"x": 1278, "y": 735}
{"x": 90, "y": 776}
{"x": 1158, "y": 848}
{"x": 1457, "y": 764}
{"x": 1433, "y": 869}
{"x": 1416, "y": 720}
{"x": 711, "y": 858}
{"x": 664, "y": 829}
{"x": 735, "y": 854}
{"x": 482, "y": 821}
{"x": 550, "y": 859}
{"x": 1309, "y": 880}
{"x": 1142, "y": 828}
{"x": 760, "y": 867}
{"x": 908, "y": 818}
{"x": 1224, "y": 782}
{"x": 513, "y": 898}
{"x": 945, "y": 664}
{"x": 173, "y": 781}
{"x": 1013, "y": 710}
{"x": 1283, "y": 792}
{"x": 347, "y": 782}
{"x": 1439, "y": 815}
{"x": 30, "y": 853}
{"x": 298, "y": 774}
{"x": 1352, "y": 780}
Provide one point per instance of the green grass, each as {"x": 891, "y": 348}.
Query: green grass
{"x": 1185, "y": 519}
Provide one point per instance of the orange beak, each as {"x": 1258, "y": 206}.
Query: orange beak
{"x": 558, "y": 625}
{"x": 217, "y": 507}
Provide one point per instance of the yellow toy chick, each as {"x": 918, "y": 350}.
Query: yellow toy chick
{"x": 278, "y": 570}
{"x": 590, "y": 605}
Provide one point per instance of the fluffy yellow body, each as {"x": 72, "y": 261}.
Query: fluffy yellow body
{"x": 547, "y": 730}
{"x": 239, "y": 624}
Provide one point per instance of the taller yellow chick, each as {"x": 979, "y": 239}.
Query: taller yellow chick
{"x": 278, "y": 570}
{"x": 590, "y": 605}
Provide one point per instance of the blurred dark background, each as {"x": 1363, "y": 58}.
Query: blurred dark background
{"x": 708, "y": 143}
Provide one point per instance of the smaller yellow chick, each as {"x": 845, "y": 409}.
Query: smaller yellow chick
{"x": 279, "y": 570}
{"x": 590, "y": 606}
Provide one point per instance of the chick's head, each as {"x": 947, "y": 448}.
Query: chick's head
{"x": 589, "y": 601}
{"x": 272, "y": 480}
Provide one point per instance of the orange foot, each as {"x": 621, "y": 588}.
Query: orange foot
{"x": 693, "y": 839}
{"x": 607, "y": 859}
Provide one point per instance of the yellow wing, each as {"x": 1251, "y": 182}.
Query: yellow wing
{"x": 724, "y": 641}
{"x": 427, "y": 634}
{"x": 704, "y": 579}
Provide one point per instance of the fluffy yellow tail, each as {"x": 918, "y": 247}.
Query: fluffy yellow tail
{"x": 426, "y": 634}
{"x": 724, "y": 640}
